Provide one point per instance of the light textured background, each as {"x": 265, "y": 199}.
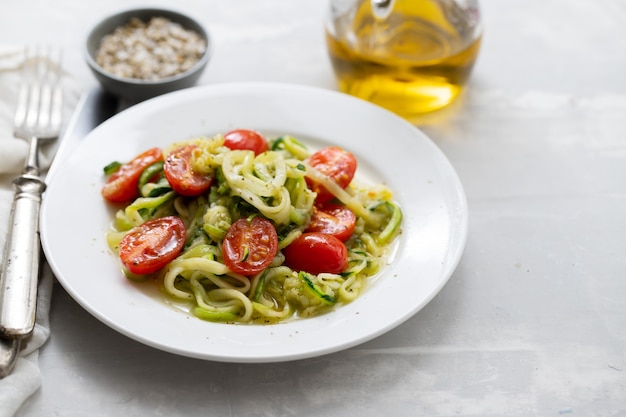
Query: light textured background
{"x": 533, "y": 321}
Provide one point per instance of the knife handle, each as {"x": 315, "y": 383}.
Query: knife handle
{"x": 20, "y": 265}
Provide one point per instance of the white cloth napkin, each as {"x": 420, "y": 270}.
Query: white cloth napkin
{"x": 25, "y": 378}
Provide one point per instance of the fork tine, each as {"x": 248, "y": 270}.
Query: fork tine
{"x": 34, "y": 94}
{"x": 56, "y": 116}
{"x": 45, "y": 89}
{"x": 50, "y": 111}
{"x": 22, "y": 99}
{"x": 40, "y": 101}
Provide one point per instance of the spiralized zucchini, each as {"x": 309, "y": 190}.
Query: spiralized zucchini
{"x": 272, "y": 185}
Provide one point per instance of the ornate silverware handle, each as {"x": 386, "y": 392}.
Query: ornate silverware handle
{"x": 20, "y": 266}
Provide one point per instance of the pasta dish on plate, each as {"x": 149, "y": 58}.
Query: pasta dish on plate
{"x": 239, "y": 228}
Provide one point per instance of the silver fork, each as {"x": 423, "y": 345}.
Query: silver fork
{"x": 38, "y": 117}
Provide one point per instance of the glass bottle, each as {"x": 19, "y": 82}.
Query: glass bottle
{"x": 409, "y": 56}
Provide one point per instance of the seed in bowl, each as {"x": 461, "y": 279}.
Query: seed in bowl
{"x": 150, "y": 50}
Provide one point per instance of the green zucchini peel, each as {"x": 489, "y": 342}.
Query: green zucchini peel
{"x": 309, "y": 284}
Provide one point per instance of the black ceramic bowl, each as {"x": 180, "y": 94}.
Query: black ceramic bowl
{"x": 136, "y": 89}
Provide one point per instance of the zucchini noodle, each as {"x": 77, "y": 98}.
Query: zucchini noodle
{"x": 272, "y": 185}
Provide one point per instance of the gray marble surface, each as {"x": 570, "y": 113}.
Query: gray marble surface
{"x": 532, "y": 322}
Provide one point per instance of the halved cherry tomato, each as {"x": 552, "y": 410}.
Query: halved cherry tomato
{"x": 152, "y": 245}
{"x": 122, "y": 184}
{"x": 180, "y": 174}
{"x": 250, "y": 245}
{"x": 336, "y": 163}
{"x": 247, "y": 140}
{"x": 316, "y": 253}
{"x": 333, "y": 219}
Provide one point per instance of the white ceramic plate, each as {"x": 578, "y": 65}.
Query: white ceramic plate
{"x": 75, "y": 218}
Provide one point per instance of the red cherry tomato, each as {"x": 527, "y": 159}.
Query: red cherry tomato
{"x": 333, "y": 219}
{"x": 180, "y": 174}
{"x": 336, "y": 163}
{"x": 152, "y": 245}
{"x": 316, "y": 253}
{"x": 250, "y": 245}
{"x": 245, "y": 139}
{"x": 122, "y": 184}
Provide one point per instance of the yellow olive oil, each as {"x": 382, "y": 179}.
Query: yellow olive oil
{"x": 412, "y": 62}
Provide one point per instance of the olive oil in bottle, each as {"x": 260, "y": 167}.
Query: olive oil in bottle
{"x": 412, "y": 61}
